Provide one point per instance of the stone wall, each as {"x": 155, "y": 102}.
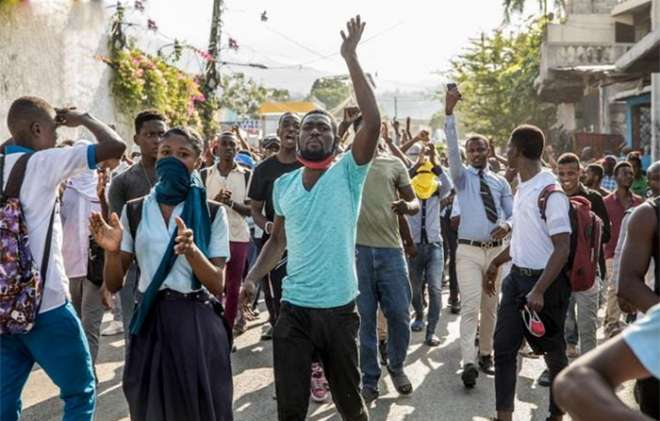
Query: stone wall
{"x": 48, "y": 49}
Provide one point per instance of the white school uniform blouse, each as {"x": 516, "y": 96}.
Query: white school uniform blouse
{"x": 153, "y": 237}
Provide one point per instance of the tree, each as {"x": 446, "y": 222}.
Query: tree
{"x": 496, "y": 76}
{"x": 241, "y": 94}
{"x": 279, "y": 95}
{"x": 332, "y": 91}
{"x": 518, "y": 6}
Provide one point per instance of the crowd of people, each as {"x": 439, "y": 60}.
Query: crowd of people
{"x": 350, "y": 231}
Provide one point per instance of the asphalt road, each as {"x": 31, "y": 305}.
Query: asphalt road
{"x": 438, "y": 395}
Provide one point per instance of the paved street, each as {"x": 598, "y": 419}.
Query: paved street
{"x": 439, "y": 394}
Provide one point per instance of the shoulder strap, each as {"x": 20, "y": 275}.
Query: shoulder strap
{"x": 134, "y": 215}
{"x": 2, "y": 177}
{"x": 49, "y": 238}
{"x": 204, "y": 174}
{"x": 16, "y": 176}
{"x": 545, "y": 194}
{"x": 247, "y": 174}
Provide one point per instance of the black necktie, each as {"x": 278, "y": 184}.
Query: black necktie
{"x": 487, "y": 198}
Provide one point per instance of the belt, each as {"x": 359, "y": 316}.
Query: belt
{"x": 526, "y": 271}
{"x": 481, "y": 244}
{"x": 201, "y": 296}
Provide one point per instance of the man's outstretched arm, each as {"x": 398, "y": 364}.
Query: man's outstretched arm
{"x": 366, "y": 138}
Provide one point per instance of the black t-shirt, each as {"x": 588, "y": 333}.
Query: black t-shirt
{"x": 261, "y": 187}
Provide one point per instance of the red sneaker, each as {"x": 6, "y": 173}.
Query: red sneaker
{"x": 319, "y": 384}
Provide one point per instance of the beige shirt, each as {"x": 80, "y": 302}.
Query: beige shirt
{"x": 234, "y": 182}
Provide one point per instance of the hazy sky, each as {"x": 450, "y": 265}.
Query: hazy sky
{"x": 404, "y": 42}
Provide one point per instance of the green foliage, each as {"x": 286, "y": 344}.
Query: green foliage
{"x": 242, "y": 94}
{"x": 332, "y": 91}
{"x": 141, "y": 81}
{"x": 518, "y": 6}
{"x": 496, "y": 76}
{"x": 280, "y": 95}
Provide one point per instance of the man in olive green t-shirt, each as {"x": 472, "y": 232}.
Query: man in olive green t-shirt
{"x": 383, "y": 272}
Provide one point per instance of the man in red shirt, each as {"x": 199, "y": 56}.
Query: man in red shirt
{"x": 617, "y": 203}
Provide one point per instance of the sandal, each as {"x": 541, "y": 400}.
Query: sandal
{"x": 401, "y": 383}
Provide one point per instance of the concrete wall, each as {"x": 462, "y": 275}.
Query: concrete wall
{"x": 590, "y": 6}
{"x": 585, "y": 28}
{"x": 48, "y": 49}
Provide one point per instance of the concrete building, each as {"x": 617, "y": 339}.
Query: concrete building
{"x": 48, "y": 49}
{"x": 642, "y": 62}
{"x": 598, "y": 67}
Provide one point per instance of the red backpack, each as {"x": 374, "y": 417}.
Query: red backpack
{"x": 586, "y": 233}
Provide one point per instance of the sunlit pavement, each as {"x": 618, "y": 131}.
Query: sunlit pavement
{"x": 438, "y": 395}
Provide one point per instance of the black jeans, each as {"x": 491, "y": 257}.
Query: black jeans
{"x": 301, "y": 332}
{"x": 450, "y": 238}
{"x": 510, "y": 332}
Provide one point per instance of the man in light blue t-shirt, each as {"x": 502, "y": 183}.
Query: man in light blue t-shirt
{"x": 316, "y": 213}
{"x": 587, "y": 388}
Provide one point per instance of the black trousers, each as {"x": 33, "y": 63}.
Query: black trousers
{"x": 510, "y": 332}
{"x": 301, "y": 332}
{"x": 272, "y": 286}
{"x": 648, "y": 391}
{"x": 450, "y": 237}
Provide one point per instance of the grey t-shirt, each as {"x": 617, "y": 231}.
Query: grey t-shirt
{"x": 133, "y": 183}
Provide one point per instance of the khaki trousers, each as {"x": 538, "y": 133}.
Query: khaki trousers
{"x": 471, "y": 265}
{"x": 612, "y": 311}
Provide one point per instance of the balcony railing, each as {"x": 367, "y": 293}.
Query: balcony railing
{"x": 566, "y": 55}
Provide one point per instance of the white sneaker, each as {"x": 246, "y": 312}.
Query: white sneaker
{"x": 114, "y": 328}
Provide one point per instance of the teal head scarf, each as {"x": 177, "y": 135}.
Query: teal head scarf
{"x": 175, "y": 185}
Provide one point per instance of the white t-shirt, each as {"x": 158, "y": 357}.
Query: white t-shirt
{"x": 46, "y": 170}
{"x": 234, "y": 182}
{"x": 531, "y": 245}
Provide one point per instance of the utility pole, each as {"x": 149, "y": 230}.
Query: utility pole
{"x": 212, "y": 70}
{"x": 396, "y": 106}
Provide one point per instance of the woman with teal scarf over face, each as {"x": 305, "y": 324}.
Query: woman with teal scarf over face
{"x": 178, "y": 362}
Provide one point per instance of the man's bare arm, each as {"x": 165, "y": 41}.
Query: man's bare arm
{"x": 636, "y": 257}
{"x": 367, "y": 136}
{"x": 586, "y": 389}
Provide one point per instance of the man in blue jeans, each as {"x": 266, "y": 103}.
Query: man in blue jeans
{"x": 382, "y": 270}
{"x": 431, "y": 186}
{"x": 57, "y": 341}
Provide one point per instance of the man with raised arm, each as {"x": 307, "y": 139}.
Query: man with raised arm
{"x": 486, "y": 206}
{"x": 316, "y": 214}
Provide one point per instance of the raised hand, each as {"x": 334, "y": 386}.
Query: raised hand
{"x": 451, "y": 99}
{"x": 355, "y": 28}
{"x": 101, "y": 183}
{"x": 107, "y": 235}
{"x": 69, "y": 116}
{"x": 184, "y": 242}
{"x": 351, "y": 114}
{"x": 385, "y": 132}
{"x": 408, "y": 132}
